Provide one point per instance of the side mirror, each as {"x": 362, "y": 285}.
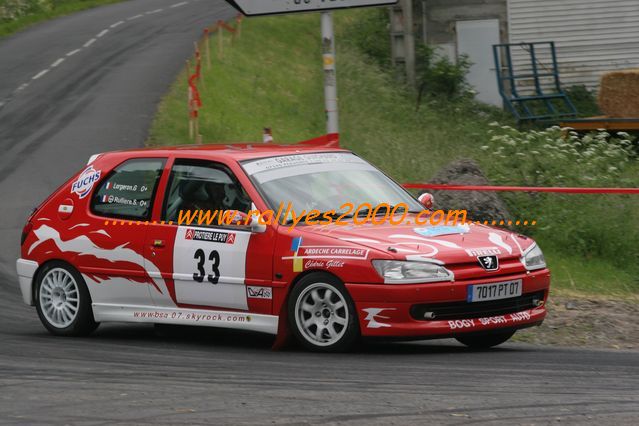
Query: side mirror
{"x": 255, "y": 225}
{"x": 427, "y": 200}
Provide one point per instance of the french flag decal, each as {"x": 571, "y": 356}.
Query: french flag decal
{"x": 109, "y": 185}
{"x": 105, "y": 198}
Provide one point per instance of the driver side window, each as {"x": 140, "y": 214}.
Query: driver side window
{"x": 204, "y": 186}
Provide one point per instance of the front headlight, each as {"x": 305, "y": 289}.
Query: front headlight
{"x": 533, "y": 258}
{"x": 401, "y": 272}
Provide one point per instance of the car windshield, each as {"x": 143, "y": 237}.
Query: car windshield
{"x": 325, "y": 182}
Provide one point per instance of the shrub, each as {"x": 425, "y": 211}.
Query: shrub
{"x": 370, "y": 34}
{"x": 11, "y": 10}
{"x": 602, "y": 226}
{"x": 438, "y": 76}
{"x": 584, "y": 100}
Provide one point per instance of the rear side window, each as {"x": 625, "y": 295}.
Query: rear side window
{"x": 128, "y": 192}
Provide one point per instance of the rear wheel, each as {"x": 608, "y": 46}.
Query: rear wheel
{"x": 485, "y": 340}
{"x": 63, "y": 301}
{"x": 322, "y": 314}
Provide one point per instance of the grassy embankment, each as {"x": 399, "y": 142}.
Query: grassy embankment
{"x": 24, "y": 13}
{"x": 273, "y": 78}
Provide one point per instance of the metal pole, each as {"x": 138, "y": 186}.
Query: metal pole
{"x": 330, "y": 77}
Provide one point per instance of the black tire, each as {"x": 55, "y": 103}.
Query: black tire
{"x": 80, "y": 323}
{"x": 328, "y": 313}
{"x": 485, "y": 340}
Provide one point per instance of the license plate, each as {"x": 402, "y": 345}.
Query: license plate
{"x": 494, "y": 291}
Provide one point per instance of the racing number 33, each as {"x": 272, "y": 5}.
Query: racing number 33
{"x": 214, "y": 257}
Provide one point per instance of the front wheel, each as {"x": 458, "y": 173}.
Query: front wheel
{"x": 485, "y": 340}
{"x": 322, "y": 314}
{"x": 63, "y": 301}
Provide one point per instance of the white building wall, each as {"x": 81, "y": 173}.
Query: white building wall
{"x": 591, "y": 36}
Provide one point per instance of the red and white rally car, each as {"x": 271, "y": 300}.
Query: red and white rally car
{"x": 106, "y": 247}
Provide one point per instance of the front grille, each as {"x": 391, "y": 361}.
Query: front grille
{"x": 466, "y": 310}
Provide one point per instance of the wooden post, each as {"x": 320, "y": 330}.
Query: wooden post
{"x": 238, "y": 27}
{"x": 207, "y": 47}
{"x": 197, "y": 129}
{"x": 220, "y": 40}
{"x": 198, "y": 61}
{"x": 189, "y": 98}
{"x": 190, "y": 110}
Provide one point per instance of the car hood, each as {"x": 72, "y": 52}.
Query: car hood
{"x": 448, "y": 244}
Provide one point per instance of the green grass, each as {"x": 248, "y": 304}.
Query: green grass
{"x": 61, "y": 8}
{"x": 272, "y": 77}
{"x": 575, "y": 275}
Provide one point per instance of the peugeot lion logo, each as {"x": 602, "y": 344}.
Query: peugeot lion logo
{"x": 489, "y": 263}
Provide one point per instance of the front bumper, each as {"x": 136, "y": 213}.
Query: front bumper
{"x": 388, "y": 310}
{"x": 26, "y": 271}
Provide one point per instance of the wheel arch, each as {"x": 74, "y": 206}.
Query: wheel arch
{"x": 303, "y": 275}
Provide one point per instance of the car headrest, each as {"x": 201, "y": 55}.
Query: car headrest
{"x": 193, "y": 190}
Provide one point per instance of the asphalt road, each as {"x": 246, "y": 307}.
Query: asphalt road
{"x": 103, "y": 97}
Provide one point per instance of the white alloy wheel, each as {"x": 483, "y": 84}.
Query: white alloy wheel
{"x": 321, "y": 314}
{"x": 59, "y": 298}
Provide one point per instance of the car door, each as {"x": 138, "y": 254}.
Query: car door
{"x": 112, "y": 245}
{"x": 204, "y": 264}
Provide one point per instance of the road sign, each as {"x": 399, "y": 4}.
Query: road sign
{"x": 271, "y": 7}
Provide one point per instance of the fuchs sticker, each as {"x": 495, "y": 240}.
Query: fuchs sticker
{"x": 259, "y": 292}
{"x": 83, "y": 186}
{"x": 210, "y": 236}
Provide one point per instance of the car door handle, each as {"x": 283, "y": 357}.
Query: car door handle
{"x": 158, "y": 243}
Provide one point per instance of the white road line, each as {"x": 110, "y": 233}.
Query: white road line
{"x": 90, "y": 42}
{"x": 40, "y": 74}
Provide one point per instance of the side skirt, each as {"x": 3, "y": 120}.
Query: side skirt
{"x": 162, "y": 315}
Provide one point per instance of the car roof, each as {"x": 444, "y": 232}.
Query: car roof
{"x": 236, "y": 151}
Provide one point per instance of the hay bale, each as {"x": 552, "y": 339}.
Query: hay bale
{"x": 619, "y": 94}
